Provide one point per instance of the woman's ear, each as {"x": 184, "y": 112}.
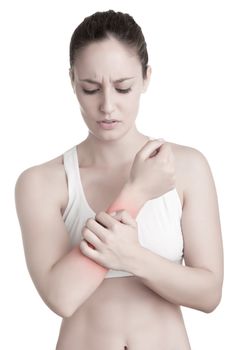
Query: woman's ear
{"x": 147, "y": 79}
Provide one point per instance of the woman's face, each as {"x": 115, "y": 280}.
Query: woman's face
{"x": 107, "y": 80}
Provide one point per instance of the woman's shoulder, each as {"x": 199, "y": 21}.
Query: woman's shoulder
{"x": 184, "y": 150}
{"x": 187, "y": 156}
{"x": 45, "y": 171}
{"x": 48, "y": 176}
{"x": 191, "y": 166}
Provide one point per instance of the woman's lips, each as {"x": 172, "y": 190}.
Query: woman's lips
{"x": 108, "y": 120}
{"x": 108, "y": 125}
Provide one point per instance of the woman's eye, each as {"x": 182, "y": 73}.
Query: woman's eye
{"x": 89, "y": 91}
{"x": 122, "y": 91}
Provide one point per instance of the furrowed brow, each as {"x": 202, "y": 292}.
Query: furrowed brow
{"x": 96, "y": 82}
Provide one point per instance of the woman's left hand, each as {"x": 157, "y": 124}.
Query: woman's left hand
{"x": 110, "y": 241}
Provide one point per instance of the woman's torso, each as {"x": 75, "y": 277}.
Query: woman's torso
{"x": 122, "y": 311}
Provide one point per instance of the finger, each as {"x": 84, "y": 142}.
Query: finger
{"x": 96, "y": 227}
{"x": 91, "y": 238}
{"x": 124, "y": 217}
{"x": 104, "y": 219}
{"x": 150, "y": 149}
{"x": 90, "y": 245}
{"x": 166, "y": 152}
{"x": 84, "y": 246}
{"x": 116, "y": 215}
{"x": 88, "y": 251}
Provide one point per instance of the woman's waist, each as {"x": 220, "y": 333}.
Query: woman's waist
{"x": 134, "y": 312}
{"x": 130, "y": 323}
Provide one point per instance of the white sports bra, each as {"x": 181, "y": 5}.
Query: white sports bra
{"x": 159, "y": 227}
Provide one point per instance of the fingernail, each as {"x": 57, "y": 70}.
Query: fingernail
{"x": 113, "y": 213}
{"x": 160, "y": 140}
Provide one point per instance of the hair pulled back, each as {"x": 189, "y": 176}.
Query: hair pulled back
{"x": 101, "y": 25}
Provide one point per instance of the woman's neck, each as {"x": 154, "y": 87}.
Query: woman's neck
{"x": 96, "y": 153}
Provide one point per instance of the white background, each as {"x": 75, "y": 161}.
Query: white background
{"x": 188, "y": 102}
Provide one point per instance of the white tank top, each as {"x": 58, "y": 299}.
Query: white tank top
{"x": 159, "y": 227}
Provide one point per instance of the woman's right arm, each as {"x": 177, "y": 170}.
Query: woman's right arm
{"x": 64, "y": 278}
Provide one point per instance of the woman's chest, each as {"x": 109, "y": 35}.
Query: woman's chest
{"x": 101, "y": 187}
{"x": 159, "y": 227}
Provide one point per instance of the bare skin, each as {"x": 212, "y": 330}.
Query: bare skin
{"x": 134, "y": 310}
{"x": 142, "y": 311}
{"x": 122, "y": 298}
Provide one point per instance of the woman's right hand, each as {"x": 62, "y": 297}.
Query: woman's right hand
{"x": 153, "y": 170}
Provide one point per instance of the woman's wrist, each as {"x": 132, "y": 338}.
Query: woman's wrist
{"x": 129, "y": 199}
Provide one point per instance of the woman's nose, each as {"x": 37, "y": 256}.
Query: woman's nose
{"x": 107, "y": 103}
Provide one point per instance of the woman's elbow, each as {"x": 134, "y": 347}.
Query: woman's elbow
{"x": 62, "y": 310}
{"x": 212, "y": 307}
{"x": 213, "y": 301}
{"x": 59, "y": 303}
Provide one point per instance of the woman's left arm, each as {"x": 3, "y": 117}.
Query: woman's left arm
{"x": 198, "y": 284}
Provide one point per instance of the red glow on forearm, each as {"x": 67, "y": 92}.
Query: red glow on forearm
{"x": 88, "y": 266}
{"x": 130, "y": 202}
{"x": 126, "y": 200}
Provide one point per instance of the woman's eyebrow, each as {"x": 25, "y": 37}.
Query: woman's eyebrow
{"x": 116, "y": 81}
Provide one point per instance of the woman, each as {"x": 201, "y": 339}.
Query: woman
{"x": 118, "y": 280}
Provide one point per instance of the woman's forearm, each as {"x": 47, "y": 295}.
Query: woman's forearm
{"x": 75, "y": 277}
{"x": 129, "y": 199}
{"x": 183, "y": 285}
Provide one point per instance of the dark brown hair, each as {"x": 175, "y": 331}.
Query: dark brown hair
{"x": 100, "y": 25}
